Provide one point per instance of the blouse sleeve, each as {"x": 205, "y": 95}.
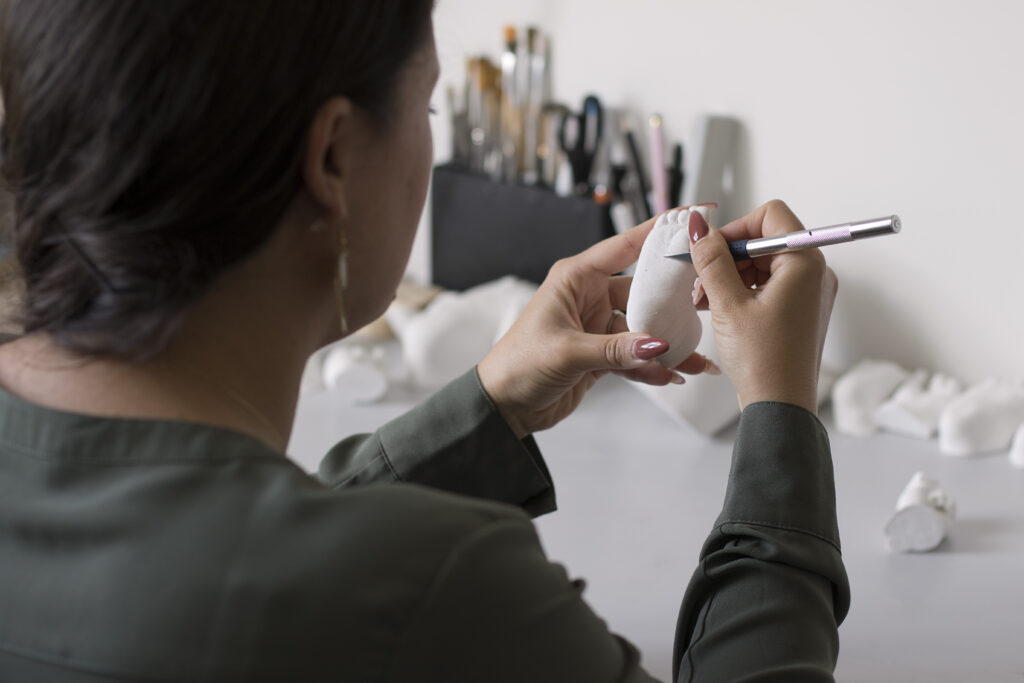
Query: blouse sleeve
{"x": 770, "y": 591}
{"x": 456, "y": 441}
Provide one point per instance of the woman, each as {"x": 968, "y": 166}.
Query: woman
{"x": 207, "y": 192}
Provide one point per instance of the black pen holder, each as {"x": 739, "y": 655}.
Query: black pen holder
{"x": 483, "y": 230}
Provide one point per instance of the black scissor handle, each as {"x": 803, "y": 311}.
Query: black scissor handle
{"x": 589, "y": 128}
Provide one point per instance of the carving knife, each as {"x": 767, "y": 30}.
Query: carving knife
{"x": 806, "y": 239}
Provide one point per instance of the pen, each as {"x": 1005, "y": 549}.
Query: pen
{"x": 805, "y": 239}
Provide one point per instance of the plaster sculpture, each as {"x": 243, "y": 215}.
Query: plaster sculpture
{"x": 1017, "y": 448}
{"x": 923, "y": 518}
{"x": 914, "y": 408}
{"x": 457, "y": 329}
{"x": 659, "y": 298}
{"x": 356, "y": 373}
{"x": 858, "y": 394}
{"x": 983, "y": 419}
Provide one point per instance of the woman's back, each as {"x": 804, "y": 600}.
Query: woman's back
{"x": 160, "y": 550}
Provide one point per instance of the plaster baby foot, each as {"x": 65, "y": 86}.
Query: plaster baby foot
{"x": 858, "y": 394}
{"x": 982, "y": 419}
{"x": 1017, "y": 448}
{"x": 923, "y": 518}
{"x": 660, "y": 301}
{"x": 914, "y": 410}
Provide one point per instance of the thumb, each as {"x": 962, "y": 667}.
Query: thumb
{"x": 625, "y": 351}
{"x": 714, "y": 262}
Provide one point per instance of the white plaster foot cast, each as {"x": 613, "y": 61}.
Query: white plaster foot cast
{"x": 857, "y": 395}
{"x": 660, "y": 301}
{"x": 923, "y": 518}
{"x": 1017, "y": 448}
{"x": 983, "y": 419}
{"x": 914, "y": 408}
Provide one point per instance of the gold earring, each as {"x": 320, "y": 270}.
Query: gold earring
{"x": 341, "y": 279}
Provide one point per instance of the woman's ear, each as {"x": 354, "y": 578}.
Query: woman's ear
{"x": 327, "y": 165}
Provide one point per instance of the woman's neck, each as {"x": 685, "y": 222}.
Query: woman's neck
{"x": 241, "y": 393}
{"x": 236, "y": 362}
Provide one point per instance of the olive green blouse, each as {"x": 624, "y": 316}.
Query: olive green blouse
{"x": 145, "y": 550}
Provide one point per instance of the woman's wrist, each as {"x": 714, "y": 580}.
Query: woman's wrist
{"x": 492, "y": 386}
{"x": 803, "y": 394}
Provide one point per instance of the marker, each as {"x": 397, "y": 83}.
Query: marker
{"x": 806, "y": 239}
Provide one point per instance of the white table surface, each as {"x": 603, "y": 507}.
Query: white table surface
{"x": 637, "y": 495}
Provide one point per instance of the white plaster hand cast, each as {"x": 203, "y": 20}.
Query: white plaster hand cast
{"x": 987, "y": 418}
{"x": 983, "y": 419}
{"x": 915, "y": 407}
{"x": 1017, "y": 448}
{"x": 660, "y": 301}
{"x": 858, "y": 394}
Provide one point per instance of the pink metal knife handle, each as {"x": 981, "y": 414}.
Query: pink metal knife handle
{"x": 812, "y": 238}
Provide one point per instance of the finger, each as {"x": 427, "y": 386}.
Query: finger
{"x": 697, "y": 364}
{"x": 617, "y": 322}
{"x": 618, "y": 291}
{"x": 654, "y": 374}
{"x": 585, "y": 353}
{"x": 714, "y": 263}
{"x": 768, "y": 220}
{"x": 698, "y": 293}
{"x": 617, "y": 253}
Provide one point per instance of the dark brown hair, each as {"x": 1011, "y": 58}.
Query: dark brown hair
{"x": 151, "y": 145}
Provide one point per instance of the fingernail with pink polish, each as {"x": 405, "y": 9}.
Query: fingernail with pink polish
{"x": 649, "y": 348}
{"x": 677, "y": 378}
{"x": 698, "y": 227}
{"x": 698, "y": 291}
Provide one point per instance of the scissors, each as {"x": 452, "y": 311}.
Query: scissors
{"x": 579, "y": 135}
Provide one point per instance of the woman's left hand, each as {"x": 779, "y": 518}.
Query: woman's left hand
{"x": 568, "y": 336}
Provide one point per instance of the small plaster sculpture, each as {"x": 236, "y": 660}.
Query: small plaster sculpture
{"x": 659, "y": 298}
{"x": 858, "y": 394}
{"x": 1017, "y": 448}
{"x": 923, "y": 518}
{"x": 457, "y": 329}
{"x": 914, "y": 408}
{"x": 983, "y": 419}
{"x": 356, "y": 373}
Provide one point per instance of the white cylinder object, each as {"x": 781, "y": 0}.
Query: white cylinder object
{"x": 923, "y": 518}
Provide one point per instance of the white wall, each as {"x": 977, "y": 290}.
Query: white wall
{"x": 850, "y": 110}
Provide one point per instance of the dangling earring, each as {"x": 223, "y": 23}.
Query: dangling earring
{"x": 341, "y": 279}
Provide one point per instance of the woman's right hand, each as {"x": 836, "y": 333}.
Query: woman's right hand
{"x": 770, "y": 315}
